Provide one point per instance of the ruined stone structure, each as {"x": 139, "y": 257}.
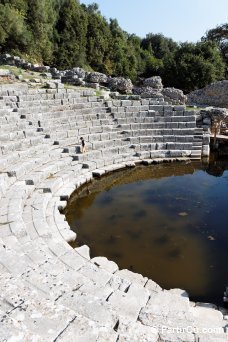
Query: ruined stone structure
{"x": 214, "y": 94}
{"x": 50, "y": 291}
{"x": 151, "y": 87}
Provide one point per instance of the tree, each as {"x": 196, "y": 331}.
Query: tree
{"x": 195, "y": 65}
{"x": 66, "y": 34}
{"x": 97, "y": 39}
{"x": 158, "y": 45}
{"x": 41, "y": 19}
{"x": 159, "y": 52}
{"x": 14, "y": 34}
{"x": 71, "y": 31}
{"x": 122, "y": 53}
{"x": 220, "y": 36}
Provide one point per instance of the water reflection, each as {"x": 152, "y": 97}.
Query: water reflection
{"x": 168, "y": 222}
{"x": 217, "y": 165}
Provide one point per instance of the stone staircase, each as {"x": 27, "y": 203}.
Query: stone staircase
{"x": 49, "y": 290}
{"x": 159, "y": 130}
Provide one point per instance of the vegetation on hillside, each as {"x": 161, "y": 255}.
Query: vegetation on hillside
{"x": 65, "y": 34}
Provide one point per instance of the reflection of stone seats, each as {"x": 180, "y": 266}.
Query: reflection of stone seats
{"x": 49, "y": 290}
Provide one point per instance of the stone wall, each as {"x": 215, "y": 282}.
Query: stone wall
{"x": 215, "y": 94}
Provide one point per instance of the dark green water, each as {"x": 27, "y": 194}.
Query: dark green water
{"x": 168, "y": 222}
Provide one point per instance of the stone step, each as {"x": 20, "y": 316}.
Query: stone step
{"x": 51, "y": 99}
{"x": 64, "y": 116}
{"x": 28, "y": 161}
{"x": 22, "y": 144}
{"x": 67, "y": 125}
{"x": 129, "y": 115}
{"x": 17, "y": 125}
{"x": 97, "y": 145}
{"x": 196, "y": 147}
{"x": 160, "y": 138}
{"x": 46, "y": 170}
{"x": 84, "y": 132}
{"x": 83, "y": 329}
{"x": 28, "y": 316}
{"x": 36, "y": 151}
{"x": 157, "y": 125}
{"x": 162, "y": 146}
{"x": 108, "y": 143}
{"x": 33, "y": 108}
{"x": 49, "y": 95}
{"x": 161, "y": 132}
{"x": 196, "y": 154}
{"x": 13, "y": 206}
{"x": 157, "y": 119}
{"x": 168, "y": 153}
{"x": 5, "y": 183}
{"x": 111, "y": 162}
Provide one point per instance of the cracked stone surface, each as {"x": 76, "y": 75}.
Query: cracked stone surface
{"x": 50, "y": 291}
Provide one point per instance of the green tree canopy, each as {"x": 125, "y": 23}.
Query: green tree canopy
{"x": 71, "y": 31}
{"x": 65, "y": 34}
{"x": 220, "y": 36}
{"x": 158, "y": 45}
{"x": 14, "y": 35}
{"x": 97, "y": 39}
{"x": 41, "y": 19}
{"x": 194, "y": 66}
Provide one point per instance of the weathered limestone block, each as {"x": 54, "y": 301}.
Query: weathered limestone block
{"x": 174, "y": 96}
{"x": 206, "y": 317}
{"x": 118, "y": 283}
{"x": 96, "y": 77}
{"x": 13, "y": 89}
{"x": 91, "y": 307}
{"x": 153, "y": 82}
{"x": 81, "y": 73}
{"x": 68, "y": 235}
{"x": 126, "y": 305}
{"x": 97, "y": 290}
{"x": 152, "y": 286}
{"x": 84, "y": 251}
{"x": 148, "y": 92}
{"x": 163, "y": 304}
{"x": 106, "y": 264}
{"x": 132, "y": 277}
{"x": 136, "y": 332}
{"x": 73, "y": 260}
{"x": 120, "y": 84}
{"x": 83, "y": 329}
{"x": 96, "y": 274}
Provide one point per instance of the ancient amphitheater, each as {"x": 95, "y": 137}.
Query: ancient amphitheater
{"x": 50, "y": 291}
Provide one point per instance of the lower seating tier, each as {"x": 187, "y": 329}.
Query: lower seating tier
{"x": 50, "y": 291}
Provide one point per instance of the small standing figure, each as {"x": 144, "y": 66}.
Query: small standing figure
{"x": 83, "y": 148}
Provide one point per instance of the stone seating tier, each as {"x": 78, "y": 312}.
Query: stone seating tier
{"x": 50, "y": 291}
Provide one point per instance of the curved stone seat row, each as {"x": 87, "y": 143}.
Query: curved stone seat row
{"x": 50, "y": 291}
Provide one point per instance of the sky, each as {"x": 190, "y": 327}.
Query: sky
{"x": 181, "y": 20}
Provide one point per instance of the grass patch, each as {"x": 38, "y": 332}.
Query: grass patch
{"x": 193, "y": 108}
